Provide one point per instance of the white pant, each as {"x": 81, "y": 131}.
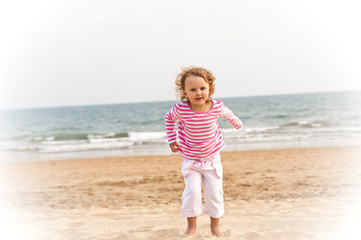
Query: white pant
{"x": 211, "y": 172}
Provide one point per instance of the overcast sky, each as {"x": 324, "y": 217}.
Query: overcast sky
{"x": 73, "y": 52}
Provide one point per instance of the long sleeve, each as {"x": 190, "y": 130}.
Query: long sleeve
{"x": 231, "y": 118}
{"x": 170, "y": 124}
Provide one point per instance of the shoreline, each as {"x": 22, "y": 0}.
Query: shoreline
{"x": 292, "y": 193}
{"x": 163, "y": 151}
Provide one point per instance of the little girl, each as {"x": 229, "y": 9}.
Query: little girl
{"x": 200, "y": 141}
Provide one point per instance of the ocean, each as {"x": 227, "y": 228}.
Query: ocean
{"x": 277, "y": 121}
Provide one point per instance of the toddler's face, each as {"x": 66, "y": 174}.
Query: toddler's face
{"x": 196, "y": 89}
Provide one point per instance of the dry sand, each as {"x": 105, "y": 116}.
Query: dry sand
{"x": 312, "y": 193}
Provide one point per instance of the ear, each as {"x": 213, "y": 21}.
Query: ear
{"x": 211, "y": 92}
{"x": 185, "y": 94}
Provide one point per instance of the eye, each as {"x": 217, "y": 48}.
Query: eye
{"x": 193, "y": 89}
{"x": 203, "y": 88}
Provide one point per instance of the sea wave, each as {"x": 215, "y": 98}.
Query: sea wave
{"x": 292, "y": 131}
{"x": 84, "y": 142}
{"x": 305, "y": 124}
{"x": 65, "y": 137}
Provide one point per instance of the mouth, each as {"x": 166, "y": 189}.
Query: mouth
{"x": 199, "y": 99}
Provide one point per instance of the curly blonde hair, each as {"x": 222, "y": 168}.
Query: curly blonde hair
{"x": 194, "y": 71}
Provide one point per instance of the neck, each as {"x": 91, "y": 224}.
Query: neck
{"x": 203, "y": 108}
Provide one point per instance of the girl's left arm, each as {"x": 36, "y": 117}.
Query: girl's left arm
{"x": 231, "y": 118}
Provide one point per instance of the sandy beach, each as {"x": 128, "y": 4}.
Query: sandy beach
{"x": 306, "y": 193}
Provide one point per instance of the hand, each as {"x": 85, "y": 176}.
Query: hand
{"x": 174, "y": 147}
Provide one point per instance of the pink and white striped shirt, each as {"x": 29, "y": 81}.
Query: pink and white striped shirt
{"x": 199, "y": 133}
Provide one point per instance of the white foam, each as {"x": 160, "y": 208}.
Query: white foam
{"x": 260, "y": 129}
{"x": 146, "y": 136}
{"x": 81, "y": 146}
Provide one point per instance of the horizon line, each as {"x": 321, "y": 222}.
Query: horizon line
{"x": 169, "y": 100}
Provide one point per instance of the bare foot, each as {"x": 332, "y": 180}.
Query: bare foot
{"x": 192, "y": 226}
{"x": 190, "y": 230}
{"x": 217, "y": 232}
{"x": 215, "y": 229}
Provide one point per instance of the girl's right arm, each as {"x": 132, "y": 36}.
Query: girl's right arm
{"x": 170, "y": 125}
